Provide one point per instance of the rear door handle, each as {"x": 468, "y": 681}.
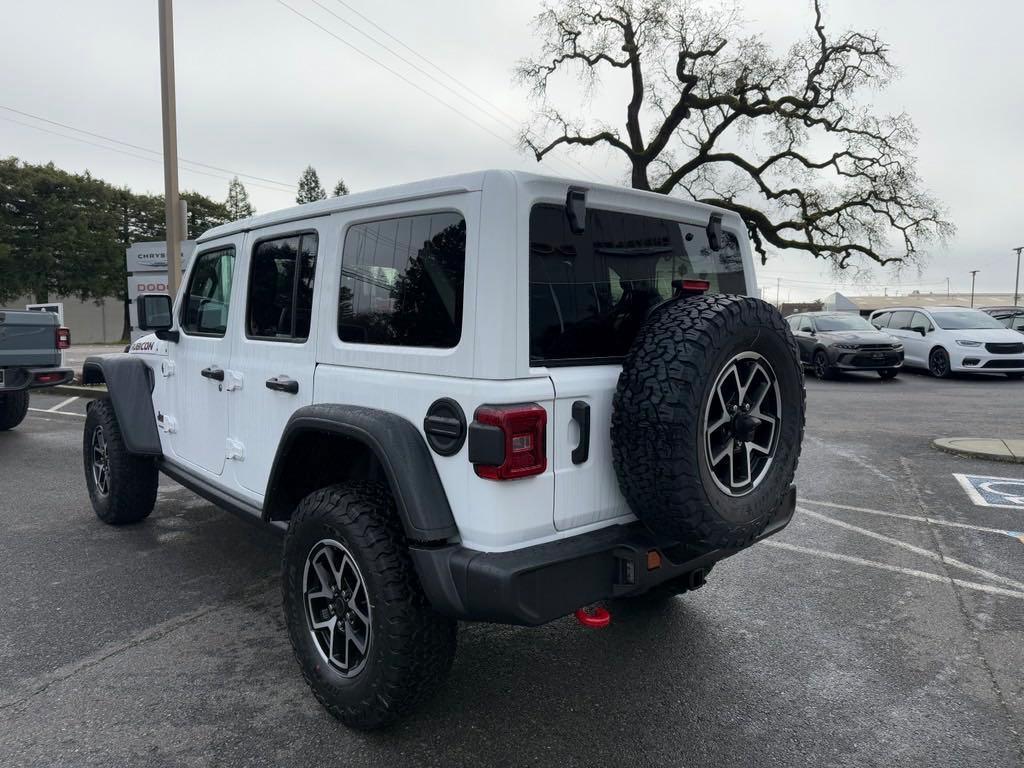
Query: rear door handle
{"x": 581, "y": 415}
{"x": 283, "y": 384}
{"x": 217, "y": 374}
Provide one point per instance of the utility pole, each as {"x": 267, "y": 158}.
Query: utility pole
{"x": 172, "y": 212}
{"x": 974, "y": 273}
{"x": 1016, "y": 280}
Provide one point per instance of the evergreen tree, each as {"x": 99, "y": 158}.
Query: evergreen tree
{"x": 238, "y": 204}
{"x": 340, "y": 189}
{"x": 309, "y": 187}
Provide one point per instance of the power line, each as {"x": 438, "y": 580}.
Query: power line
{"x": 395, "y": 72}
{"x": 509, "y": 120}
{"x": 135, "y": 146}
{"x": 125, "y": 152}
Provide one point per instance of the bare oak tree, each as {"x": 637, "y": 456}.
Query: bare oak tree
{"x": 779, "y": 139}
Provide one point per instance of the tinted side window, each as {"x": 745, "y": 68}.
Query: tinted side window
{"x": 281, "y": 287}
{"x": 205, "y": 309}
{"x": 882, "y": 320}
{"x": 794, "y": 322}
{"x": 918, "y": 320}
{"x": 901, "y": 320}
{"x": 590, "y": 293}
{"x": 402, "y": 281}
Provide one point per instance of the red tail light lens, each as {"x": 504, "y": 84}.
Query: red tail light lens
{"x": 696, "y": 285}
{"x": 48, "y": 378}
{"x": 63, "y": 338}
{"x": 523, "y": 428}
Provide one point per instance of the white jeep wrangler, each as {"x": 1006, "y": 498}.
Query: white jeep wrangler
{"x": 490, "y": 397}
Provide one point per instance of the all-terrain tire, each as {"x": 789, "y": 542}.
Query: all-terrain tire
{"x": 411, "y": 647}
{"x": 661, "y": 408}
{"x": 126, "y": 492}
{"x": 13, "y": 409}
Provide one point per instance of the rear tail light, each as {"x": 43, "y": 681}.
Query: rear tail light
{"x": 63, "y": 338}
{"x": 48, "y": 378}
{"x": 691, "y": 287}
{"x": 510, "y": 441}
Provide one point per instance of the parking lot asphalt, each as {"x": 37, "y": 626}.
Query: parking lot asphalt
{"x": 885, "y": 626}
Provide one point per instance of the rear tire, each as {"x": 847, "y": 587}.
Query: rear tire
{"x": 888, "y": 373}
{"x": 13, "y": 409}
{"x": 122, "y": 486}
{"x": 346, "y": 561}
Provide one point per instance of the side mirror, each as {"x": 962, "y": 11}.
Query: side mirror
{"x": 576, "y": 209}
{"x": 920, "y": 329}
{"x": 155, "y": 315}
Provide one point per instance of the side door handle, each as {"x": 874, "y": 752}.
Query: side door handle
{"x": 581, "y": 415}
{"x": 217, "y": 374}
{"x": 283, "y": 384}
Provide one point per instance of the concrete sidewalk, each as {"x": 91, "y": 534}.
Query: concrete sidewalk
{"x": 992, "y": 448}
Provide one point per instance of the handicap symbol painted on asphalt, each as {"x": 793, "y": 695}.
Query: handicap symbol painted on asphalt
{"x": 985, "y": 491}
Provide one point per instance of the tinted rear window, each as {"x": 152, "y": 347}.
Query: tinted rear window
{"x": 590, "y": 293}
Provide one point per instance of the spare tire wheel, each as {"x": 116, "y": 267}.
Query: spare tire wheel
{"x": 708, "y": 419}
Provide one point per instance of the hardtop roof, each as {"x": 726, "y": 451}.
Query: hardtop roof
{"x": 427, "y": 188}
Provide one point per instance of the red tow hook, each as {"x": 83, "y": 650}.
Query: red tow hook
{"x": 594, "y": 617}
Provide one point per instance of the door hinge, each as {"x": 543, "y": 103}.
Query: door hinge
{"x": 235, "y": 450}
{"x": 166, "y": 423}
{"x": 233, "y": 380}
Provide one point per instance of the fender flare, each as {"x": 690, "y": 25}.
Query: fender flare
{"x": 399, "y": 447}
{"x": 130, "y": 386}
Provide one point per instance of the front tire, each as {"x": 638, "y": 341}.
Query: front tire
{"x": 13, "y": 409}
{"x": 365, "y": 637}
{"x": 938, "y": 363}
{"x": 122, "y": 486}
{"x": 888, "y": 373}
{"x": 822, "y": 369}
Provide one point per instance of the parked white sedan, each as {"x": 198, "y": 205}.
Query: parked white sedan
{"x": 953, "y": 339}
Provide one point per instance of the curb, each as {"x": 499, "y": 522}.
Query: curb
{"x": 79, "y": 390}
{"x": 990, "y": 448}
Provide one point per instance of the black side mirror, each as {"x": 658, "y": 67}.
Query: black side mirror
{"x": 576, "y": 209}
{"x": 920, "y": 329}
{"x": 155, "y": 315}
{"x": 714, "y": 231}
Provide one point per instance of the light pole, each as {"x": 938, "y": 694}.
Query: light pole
{"x": 974, "y": 273}
{"x": 171, "y": 208}
{"x": 1016, "y": 280}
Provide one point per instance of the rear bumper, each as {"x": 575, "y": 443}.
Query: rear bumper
{"x": 537, "y": 584}
{"x": 16, "y": 379}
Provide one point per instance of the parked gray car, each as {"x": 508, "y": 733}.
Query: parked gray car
{"x": 30, "y": 358}
{"x": 831, "y": 342}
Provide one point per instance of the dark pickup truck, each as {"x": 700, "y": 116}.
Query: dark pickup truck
{"x": 30, "y": 358}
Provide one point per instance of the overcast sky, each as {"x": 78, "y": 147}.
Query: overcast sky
{"x": 263, "y": 92}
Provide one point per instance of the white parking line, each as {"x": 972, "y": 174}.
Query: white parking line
{"x": 894, "y": 568}
{"x": 915, "y": 518}
{"x": 58, "y": 413}
{"x": 915, "y": 549}
{"x": 58, "y": 406}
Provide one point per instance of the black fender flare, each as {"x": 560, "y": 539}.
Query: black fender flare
{"x": 399, "y": 447}
{"x": 130, "y": 385}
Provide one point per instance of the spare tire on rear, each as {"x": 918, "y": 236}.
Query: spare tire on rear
{"x": 708, "y": 419}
